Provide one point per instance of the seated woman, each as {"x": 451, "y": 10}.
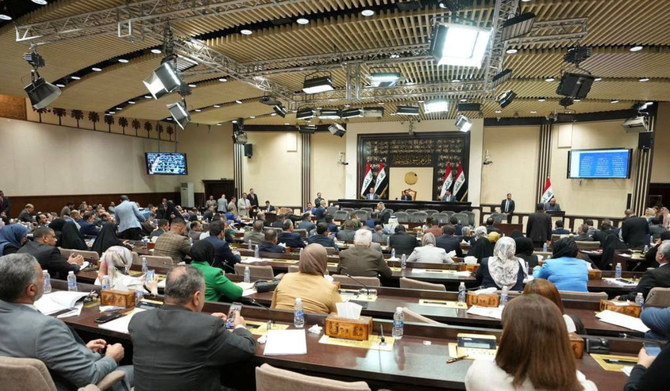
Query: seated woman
{"x": 318, "y": 295}
{"x": 545, "y": 288}
{"x": 651, "y": 372}
{"x": 12, "y": 237}
{"x": 501, "y": 269}
{"x": 527, "y": 359}
{"x": 71, "y": 238}
{"x": 524, "y": 251}
{"x": 480, "y": 246}
{"x": 121, "y": 258}
{"x": 106, "y": 239}
{"x": 566, "y": 271}
{"x": 217, "y": 285}
{"x": 428, "y": 253}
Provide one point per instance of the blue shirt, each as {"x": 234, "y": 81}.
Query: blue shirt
{"x": 568, "y": 274}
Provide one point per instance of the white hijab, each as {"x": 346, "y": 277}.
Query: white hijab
{"x": 503, "y": 265}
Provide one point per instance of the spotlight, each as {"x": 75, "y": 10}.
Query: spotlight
{"x": 317, "y": 84}
{"x": 565, "y": 102}
{"x": 577, "y": 54}
{"x": 501, "y": 77}
{"x": 435, "y": 106}
{"x": 373, "y": 112}
{"x": 329, "y": 114}
{"x": 384, "y": 79}
{"x": 469, "y": 107}
{"x": 518, "y": 26}
{"x": 463, "y": 123}
{"x": 407, "y": 110}
{"x": 163, "y": 80}
{"x": 239, "y": 135}
{"x": 452, "y": 5}
{"x": 506, "y": 98}
{"x": 306, "y": 129}
{"x": 337, "y": 130}
{"x": 306, "y": 114}
{"x": 575, "y": 85}
{"x": 279, "y": 109}
{"x": 459, "y": 45}
{"x": 351, "y": 113}
{"x": 41, "y": 93}
{"x": 180, "y": 113}
{"x": 34, "y": 59}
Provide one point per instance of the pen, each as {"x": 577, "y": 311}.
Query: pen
{"x": 454, "y": 359}
{"x": 613, "y": 361}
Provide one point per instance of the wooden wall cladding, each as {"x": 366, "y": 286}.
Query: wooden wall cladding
{"x": 12, "y": 107}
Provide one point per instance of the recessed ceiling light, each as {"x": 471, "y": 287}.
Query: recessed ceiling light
{"x": 73, "y": 77}
{"x": 463, "y": 100}
{"x": 96, "y": 69}
{"x": 217, "y": 106}
{"x": 498, "y": 111}
{"x": 380, "y": 103}
{"x": 61, "y": 85}
{"x": 576, "y": 100}
{"x": 234, "y": 121}
{"x": 40, "y": 2}
{"x": 156, "y": 51}
{"x": 123, "y": 60}
{"x": 219, "y": 124}
{"x": 367, "y": 12}
{"x": 131, "y": 102}
{"x": 246, "y": 32}
{"x": 549, "y": 79}
{"x": 118, "y": 108}
{"x": 347, "y": 105}
{"x": 541, "y": 100}
{"x": 614, "y": 101}
{"x": 636, "y": 48}
{"x": 598, "y": 79}
{"x": 533, "y": 111}
{"x": 456, "y": 81}
{"x": 273, "y": 114}
{"x": 395, "y": 56}
{"x": 302, "y": 21}
{"x": 511, "y": 51}
{"x": 5, "y": 17}
{"x": 239, "y": 102}
{"x": 644, "y": 79}
{"x": 525, "y": 1}
{"x": 223, "y": 79}
{"x": 147, "y": 96}
{"x": 110, "y": 112}
{"x": 197, "y": 110}
{"x": 192, "y": 85}
{"x": 252, "y": 116}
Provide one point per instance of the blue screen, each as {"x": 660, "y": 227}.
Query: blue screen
{"x": 166, "y": 163}
{"x": 607, "y": 163}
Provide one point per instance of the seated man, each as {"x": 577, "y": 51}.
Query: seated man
{"x": 269, "y": 244}
{"x": 306, "y": 223}
{"x": 346, "y": 234}
{"x": 177, "y": 348}
{"x": 256, "y": 235}
{"x": 87, "y": 224}
{"x": 195, "y": 230}
{"x": 26, "y": 215}
{"x": 658, "y": 321}
{"x": 163, "y": 226}
{"x": 332, "y": 227}
{"x": 43, "y": 247}
{"x": 552, "y": 206}
{"x": 174, "y": 243}
{"x": 582, "y": 234}
{"x": 223, "y": 255}
{"x": 559, "y": 230}
{"x": 659, "y": 277}
{"x": 269, "y": 207}
{"x": 401, "y": 242}
{"x": 361, "y": 260}
{"x": 448, "y": 241}
{"x": 490, "y": 225}
{"x": 378, "y": 236}
{"x": 457, "y": 225}
{"x": 288, "y": 237}
{"x": 26, "y": 333}
{"x": 322, "y": 237}
{"x": 433, "y": 227}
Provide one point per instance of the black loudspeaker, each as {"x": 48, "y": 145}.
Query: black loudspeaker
{"x": 645, "y": 140}
{"x": 248, "y": 150}
{"x": 575, "y": 85}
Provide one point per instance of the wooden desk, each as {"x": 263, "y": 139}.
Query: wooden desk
{"x": 401, "y": 205}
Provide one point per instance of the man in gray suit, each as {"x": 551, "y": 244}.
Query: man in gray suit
{"x": 26, "y": 333}
{"x": 128, "y": 217}
{"x": 361, "y": 260}
{"x": 346, "y": 234}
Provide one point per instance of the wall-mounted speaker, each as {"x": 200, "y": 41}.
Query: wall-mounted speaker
{"x": 248, "y": 150}
{"x": 645, "y": 140}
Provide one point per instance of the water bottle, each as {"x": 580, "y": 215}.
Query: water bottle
{"x": 250, "y": 246}
{"x": 149, "y": 277}
{"x": 388, "y": 241}
{"x": 298, "y": 314}
{"x": 403, "y": 261}
{"x": 47, "y": 281}
{"x": 528, "y": 269}
{"x": 257, "y": 252}
{"x": 145, "y": 267}
{"x": 139, "y": 295}
{"x": 503, "y": 296}
{"x": 190, "y": 241}
{"x": 110, "y": 271}
{"x": 105, "y": 283}
{"x": 398, "y": 324}
{"x": 393, "y": 253}
{"x": 646, "y": 248}
{"x": 639, "y": 299}
{"x": 461, "y": 293}
{"x": 247, "y": 274}
{"x": 71, "y": 281}
{"x": 544, "y": 247}
{"x": 301, "y": 251}
{"x": 617, "y": 271}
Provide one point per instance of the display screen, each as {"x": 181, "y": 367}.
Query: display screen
{"x": 159, "y": 163}
{"x": 599, "y": 163}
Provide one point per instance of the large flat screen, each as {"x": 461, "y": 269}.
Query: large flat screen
{"x": 159, "y": 163}
{"x": 599, "y": 163}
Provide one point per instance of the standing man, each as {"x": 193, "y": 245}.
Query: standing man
{"x": 222, "y": 204}
{"x": 538, "y": 228}
{"x": 26, "y": 214}
{"x": 210, "y": 202}
{"x": 635, "y": 230}
{"x": 317, "y": 200}
{"x": 384, "y": 214}
{"x": 176, "y": 347}
{"x": 448, "y": 197}
{"x": 253, "y": 202}
{"x": 67, "y": 209}
{"x": 243, "y": 206}
{"x": 4, "y": 207}
{"x": 128, "y": 217}
{"x": 371, "y": 195}
{"x": 507, "y": 207}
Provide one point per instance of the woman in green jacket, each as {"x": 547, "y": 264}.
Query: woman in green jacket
{"x": 217, "y": 286}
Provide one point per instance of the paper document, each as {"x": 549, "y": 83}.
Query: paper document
{"x": 75, "y": 312}
{"x": 51, "y": 303}
{"x": 622, "y": 320}
{"x": 285, "y": 342}
{"x": 489, "y": 312}
{"x": 251, "y": 260}
{"x": 120, "y": 325}
{"x": 619, "y": 283}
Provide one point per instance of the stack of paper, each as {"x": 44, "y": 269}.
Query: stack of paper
{"x": 489, "y": 312}
{"x": 619, "y": 283}
{"x": 51, "y": 303}
{"x": 285, "y": 342}
{"x": 251, "y": 260}
{"x": 120, "y": 325}
{"x": 622, "y": 320}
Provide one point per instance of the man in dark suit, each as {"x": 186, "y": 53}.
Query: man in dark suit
{"x": 406, "y": 196}
{"x": 319, "y": 210}
{"x": 605, "y": 230}
{"x": 253, "y": 202}
{"x": 26, "y": 214}
{"x": 507, "y": 207}
{"x": 321, "y": 237}
{"x": 290, "y": 238}
{"x": 582, "y": 235}
{"x": 269, "y": 207}
{"x": 43, "y": 247}
{"x": 4, "y": 207}
{"x": 490, "y": 225}
{"x": 371, "y": 195}
{"x": 318, "y": 199}
{"x": 384, "y": 214}
{"x": 538, "y": 228}
{"x": 346, "y": 234}
{"x": 559, "y": 230}
{"x": 448, "y": 241}
{"x": 401, "y": 242}
{"x": 176, "y": 347}
{"x": 659, "y": 277}
{"x": 223, "y": 255}
{"x": 635, "y": 230}
{"x": 448, "y": 197}
{"x": 306, "y": 223}
{"x": 269, "y": 245}
{"x": 361, "y": 260}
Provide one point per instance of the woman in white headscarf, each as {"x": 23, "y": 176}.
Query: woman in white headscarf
{"x": 121, "y": 258}
{"x": 503, "y": 268}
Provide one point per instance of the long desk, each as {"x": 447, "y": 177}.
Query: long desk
{"x": 398, "y": 205}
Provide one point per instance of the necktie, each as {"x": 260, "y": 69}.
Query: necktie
{"x": 506, "y": 205}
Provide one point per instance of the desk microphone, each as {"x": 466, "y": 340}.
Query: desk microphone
{"x": 359, "y": 283}
{"x": 256, "y": 303}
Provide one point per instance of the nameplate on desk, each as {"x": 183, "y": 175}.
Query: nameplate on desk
{"x": 287, "y": 261}
{"x": 372, "y": 343}
{"x": 257, "y": 327}
{"x": 614, "y": 363}
{"x": 443, "y": 303}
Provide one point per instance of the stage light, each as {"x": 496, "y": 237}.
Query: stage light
{"x": 463, "y": 123}
{"x": 305, "y": 114}
{"x": 575, "y": 85}
{"x": 163, "y": 79}
{"x": 306, "y": 129}
{"x": 329, "y": 114}
{"x": 279, "y": 109}
{"x": 577, "y": 54}
{"x": 501, "y": 77}
{"x": 41, "y": 93}
{"x": 469, "y": 107}
{"x": 337, "y": 130}
{"x": 317, "y": 84}
{"x": 459, "y": 45}
{"x": 351, "y": 113}
{"x": 239, "y": 135}
{"x": 407, "y": 110}
{"x": 435, "y": 106}
{"x": 506, "y": 98}
{"x": 518, "y": 26}
{"x": 384, "y": 79}
{"x": 180, "y": 113}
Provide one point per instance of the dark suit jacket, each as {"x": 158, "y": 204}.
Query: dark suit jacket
{"x": 449, "y": 243}
{"x": 402, "y": 243}
{"x": 318, "y": 212}
{"x": 222, "y": 253}
{"x": 325, "y": 241}
{"x": 651, "y": 279}
{"x": 253, "y": 200}
{"x": 602, "y": 235}
{"x": 583, "y": 238}
{"x": 406, "y": 197}
{"x": 291, "y": 239}
{"x": 635, "y": 232}
{"x": 384, "y": 216}
{"x": 267, "y": 247}
{"x": 176, "y": 349}
{"x": 490, "y": 228}
{"x": 363, "y": 261}
{"x": 538, "y": 228}
{"x": 656, "y": 378}
{"x": 25, "y": 216}
{"x": 306, "y": 225}
{"x": 50, "y": 259}
{"x": 511, "y": 206}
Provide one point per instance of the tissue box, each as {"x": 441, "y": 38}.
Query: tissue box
{"x": 463, "y": 267}
{"x": 595, "y": 274}
{"x": 117, "y": 298}
{"x": 577, "y": 345}
{"x": 359, "y": 329}
{"x": 631, "y": 309}
{"x": 483, "y": 300}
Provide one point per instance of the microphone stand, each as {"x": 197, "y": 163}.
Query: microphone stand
{"x": 360, "y": 283}
{"x": 256, "y": 303}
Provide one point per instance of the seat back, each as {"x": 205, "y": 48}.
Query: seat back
{"x": 410, "y": 211}
{"x": 369, "y": 210}
{"x": 24, "y": 374}
{"x": 331, "y": 210}
{"x": 497, "y": 217}
{"x": 411, "y": 316}
{"x": 158, "y": 260}
{"x": 302, "y": 232}
{"x": 293, "y": 268}
{"x": 403, "y": 217}
{"x": 471, "y": 216}
{"x": 587, "y": 245}
{"x": 347, "y": 209}
{"x": 462, "y": 218}
{"x": 441, "y": 218}
{"x": 345, "y": 280}
{"x": 341, "y": 215}
{"x": 362, "y": 214}
{"x": 88, "y": 255}
{"x": 418, "y": 217}
{"x": 431, "y": 212}
{"x": 658, "y": 297}
{"x": 416, "y": 284}
{"x": 269, "y": 378}
{"x": 255, "y": 271}
{"x": 584, "y": 296}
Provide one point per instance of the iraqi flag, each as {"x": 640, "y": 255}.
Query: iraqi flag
{"x": 381, "y": 183}
{"x": 446, "y": 181}
{"x": 459, "y": 182}
{"x": 367, "y": 180}
{"x": 548, "y": 192}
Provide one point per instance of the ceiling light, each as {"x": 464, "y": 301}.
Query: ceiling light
{"x": 549, "y": 79}
{"x": 246, "y": 32}
{"x": 511, "y": 51}
{"x": 252, "y": 116}
{"x": 614, "y": 101}
{"x": 75, "y": 77}
{"x": 337, "y": 130}
{"x": 576, "y": 100}
{"x": 533, "y": 111}
{"x": 384, "y": 79}
{"x": 110, "y": 112}
{"x": 518, "y": 26}
{"x": 234, "y": 121}
{"x": 61, "y": 85}
{"x": 156, "y": 51}
{"x": 163, "y": 80}
{"x": 636, "y": 48}
{"x": 380, "y": 103}
{"x": 541, "y": 100}
{"x": 197, "y": 110}
{"x": 180, "y": 113}
{"x": 498, "y": 111}
{"x": 5, "y": 17}
{"x": 192, "y": 85}
{"x": 394, "y": 56}
{"x": 329, "y": 114}
{"x": 305, "y": 114}
{"x": 575, "y": 85}
{"x": 239, "y": 102}
{"x": 460, "y": 45}
{"x": 41, "y": 93}
{"x": 219, "y": 124}
{"x": 223, "y": 79}
{"x": 147, "y": 96}
{"x": 501, "y": 77}
{"x": 463, "y": 123}
{"x": 456, "y": 81}
{"x": 40, "y": 2}
{"x": 347, "y": 105}
{"x": 506, "y": 98}
{"x": 286, "y": 123}
{"x": 216, "y": 106}
{"x": 118, "y": 108}
{"x": 273, "y": 114}
{"x": 123, "y": 60}
{"x": 644, "y": 79}
{"x": 131, "y": 102}
{"x": 367, "y": 12}
{"x": 317, "y": 85}
{"x": 373, "y": 112}
{"x": 279, "y": 109}
{"x": 598, "y": 79}
{"x": 96, "y": 69}
{"x": 435, "y": 106}
{"x": 463, "y": 100}
{"x": 302, "y": 21}
{"x": 351, "y": 113}
{"x": 407, "y": 110}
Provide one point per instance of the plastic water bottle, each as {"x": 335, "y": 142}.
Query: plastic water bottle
{"x": 47, "y": 281}
{"x": 528, "y": 271}
{"x": 393, "y": 253}
{"x": 639, "y": 299}
{"x": 190, "y": 241}
{"x": 247, "y": 274}
{"x": 403, "y": 261}
{"x": 461, "y": 293}
{"x": 139, "y": 295}
{"x": 71, "y": 281}
{"x": 110, "y": 271}
{"x": 145, "y": 267}
{"x": 257, "y": 252}
{"x": 646, "y": 248}
{"x": 105, "y": 283}
{"x": 298, "y": 314}
{"x": 388, "y": 241}
{"x": 250, "y": 246}
{"x": 544, "y": 247}
{"x": 398, "y": 324}
{"x": 617, "y": 271}
{"x": 301, "y": 251}
{"x": 503, "y": 296}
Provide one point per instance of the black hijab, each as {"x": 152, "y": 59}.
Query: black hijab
{"x": 481, "y": 249}
{"x": 57, "y": 224}
{"x": 524, "y": 246}
{"x": 106, "y": 238}
{"x": 202, "y": 251}
{"x": 71, "y": 238}
{"x": 566, "y": 247}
